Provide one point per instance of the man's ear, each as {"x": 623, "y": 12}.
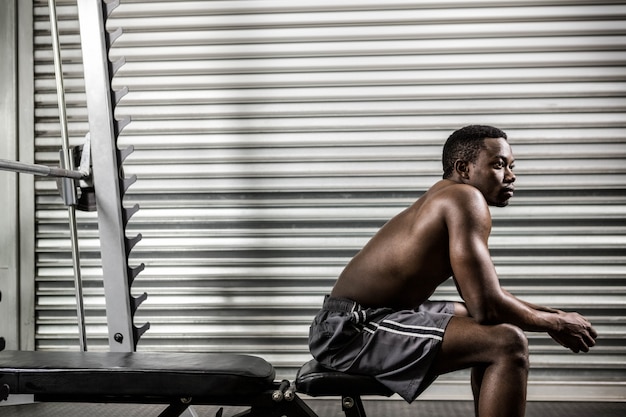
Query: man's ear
{"x": 462, "y": 168}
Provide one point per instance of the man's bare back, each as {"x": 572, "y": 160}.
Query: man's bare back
{"x": 403, "y": 264}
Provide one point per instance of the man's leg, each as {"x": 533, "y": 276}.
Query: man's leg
{"x": 499, "y": 356}
{"x": 477, "y": 381}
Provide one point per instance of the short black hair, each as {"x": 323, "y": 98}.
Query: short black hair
{"x": 465, "y": 144}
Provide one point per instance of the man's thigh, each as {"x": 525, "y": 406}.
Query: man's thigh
{"x": 467, "y": 343}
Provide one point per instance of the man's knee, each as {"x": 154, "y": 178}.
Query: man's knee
{"x": 512, "y": 344}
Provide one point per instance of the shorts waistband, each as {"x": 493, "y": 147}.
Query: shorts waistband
{"x": 340, "y": 304}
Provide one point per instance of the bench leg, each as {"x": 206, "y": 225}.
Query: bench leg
{"x": 174, "y": 410}
{"x": 352, "y": 406}
{"x": 295, "y": 407}
{"x": 4, "y": 392}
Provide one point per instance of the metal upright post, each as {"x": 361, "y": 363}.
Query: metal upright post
{"x": 110, "y": 187}
{"x": 68, "y": 164}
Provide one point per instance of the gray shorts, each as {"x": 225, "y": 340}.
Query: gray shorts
{"x": 396, "y": 347}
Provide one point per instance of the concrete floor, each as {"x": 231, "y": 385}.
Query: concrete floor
{"x": 323, "y": 407}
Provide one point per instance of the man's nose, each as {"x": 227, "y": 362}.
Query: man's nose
{"x": 510, "y": 176}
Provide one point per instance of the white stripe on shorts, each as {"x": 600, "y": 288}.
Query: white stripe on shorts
{"x": 412, "y": 326}
{"x": 410, "y": 334}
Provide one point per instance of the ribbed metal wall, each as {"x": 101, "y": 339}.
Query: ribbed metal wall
{"x": 273, "y": 138}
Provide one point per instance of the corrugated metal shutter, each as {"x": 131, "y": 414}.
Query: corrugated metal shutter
{"x": 273, "y": 138}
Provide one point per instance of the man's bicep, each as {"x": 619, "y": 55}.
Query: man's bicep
{"x": 471, "y": 266}
{"x": 470, "y": 259}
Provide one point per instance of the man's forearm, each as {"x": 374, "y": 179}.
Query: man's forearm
{"x": 533, "y": 306}
{"x": 571, "y": 330}
{"x": 525, "y": 315}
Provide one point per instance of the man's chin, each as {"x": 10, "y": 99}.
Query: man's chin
{"x": 499, "y": 203}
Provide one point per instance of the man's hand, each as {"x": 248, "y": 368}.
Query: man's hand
{"x": 575, "y": 332}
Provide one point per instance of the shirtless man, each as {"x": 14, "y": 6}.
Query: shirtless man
{"x": 378, "y": 319}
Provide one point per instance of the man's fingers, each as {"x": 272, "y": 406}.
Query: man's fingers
{"x": 590, "y": 339}
{"x": 579, "y": 345}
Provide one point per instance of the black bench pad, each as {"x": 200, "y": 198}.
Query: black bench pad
{"x": 317, "y": 381}
{"x": 134, "y": 374}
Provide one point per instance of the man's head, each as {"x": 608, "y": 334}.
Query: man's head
{"x": 481, "y": 156}
{"x": 465, "y": 144}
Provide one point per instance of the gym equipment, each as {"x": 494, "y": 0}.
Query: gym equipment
{"x": 124, "y": 375}
{"x": 67, "y": 162}
{"x": 177, "y": 380}
{"x": 317, "y": 381}
{"x": 108, "y": 179}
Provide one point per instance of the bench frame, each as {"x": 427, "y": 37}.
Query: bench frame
{"x": 94, "y": 377}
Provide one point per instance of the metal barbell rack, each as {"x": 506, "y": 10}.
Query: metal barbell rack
{"x": 102, "y": 172}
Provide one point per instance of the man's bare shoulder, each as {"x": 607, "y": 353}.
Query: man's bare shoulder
{"x": 457, "y": 201}
{"x": 455, "y": 193}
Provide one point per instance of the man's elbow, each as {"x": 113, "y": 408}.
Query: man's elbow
{"x": 485, "y": 315}
{"x": 482, "y": 318}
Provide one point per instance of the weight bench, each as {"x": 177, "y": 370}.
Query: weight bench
{"x": 176, "y": 379}
{"x": 315, "y": 380}
{"x": 179, "y": 380}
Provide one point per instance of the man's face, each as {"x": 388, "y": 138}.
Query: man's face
{"x": 492, "y": 173}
